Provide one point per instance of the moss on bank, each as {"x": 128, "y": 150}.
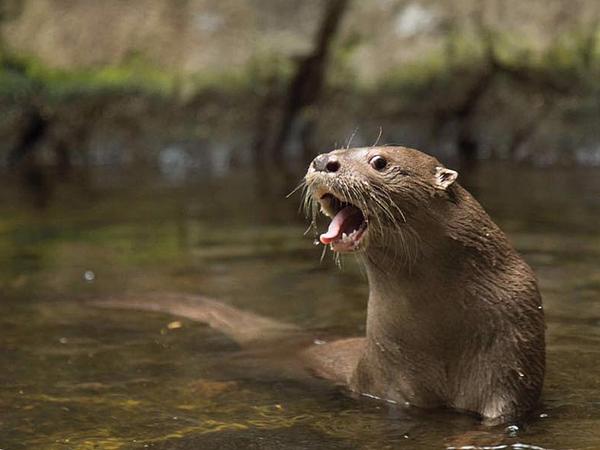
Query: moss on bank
{"x": 535, "y": 100}
{"x": 24, "y": 76}
{"x": 573, "y": 58}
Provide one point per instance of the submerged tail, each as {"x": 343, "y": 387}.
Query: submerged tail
{"x": 241, "y": 326}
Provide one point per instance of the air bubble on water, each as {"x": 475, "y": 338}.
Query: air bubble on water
{"x": 89, "y": 276}
{"x": 543, "y": 415}
{"x": 512, "y": 430}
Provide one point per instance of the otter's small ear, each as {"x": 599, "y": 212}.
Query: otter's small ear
{"x": 444, "y": 177}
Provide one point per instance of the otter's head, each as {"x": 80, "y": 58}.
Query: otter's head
{"x": 373, "y": 194}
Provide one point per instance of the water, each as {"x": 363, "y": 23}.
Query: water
{"x": 76, "y": 377}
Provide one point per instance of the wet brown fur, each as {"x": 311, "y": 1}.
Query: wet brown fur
{"x": 454, "y": 316}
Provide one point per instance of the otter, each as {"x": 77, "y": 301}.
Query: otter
{"x": 454, "y": 316}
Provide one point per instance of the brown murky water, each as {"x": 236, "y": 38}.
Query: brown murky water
{"x": 75, "y": 377}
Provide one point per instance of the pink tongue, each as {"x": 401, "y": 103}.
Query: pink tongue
{"x": 335, "y": 227}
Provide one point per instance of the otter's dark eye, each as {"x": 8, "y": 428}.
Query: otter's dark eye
{"x": 378, "y": 162}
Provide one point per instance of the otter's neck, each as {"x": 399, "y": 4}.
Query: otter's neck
{"x": 413, "y": 303}
{"x": 415, "y": 320}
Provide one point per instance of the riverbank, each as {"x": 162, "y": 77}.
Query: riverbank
{"x": 483, "y": 100}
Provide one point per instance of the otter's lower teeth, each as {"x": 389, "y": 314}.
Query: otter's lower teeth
{"x": 349, "y": 237}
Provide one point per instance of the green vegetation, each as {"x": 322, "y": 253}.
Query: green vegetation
{"x": 574, "y": 57}
{"x": 25, "y": 76}
{"x": 571, "y": 59}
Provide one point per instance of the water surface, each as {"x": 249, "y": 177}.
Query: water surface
{"x": 83, "y": 378}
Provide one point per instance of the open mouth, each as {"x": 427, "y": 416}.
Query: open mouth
{"x": 348, "y": 224}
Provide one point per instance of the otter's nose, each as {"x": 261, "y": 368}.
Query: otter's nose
{"x": 326, "y": 163}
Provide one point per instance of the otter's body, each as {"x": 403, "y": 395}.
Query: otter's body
{"x": 454, "y": 314}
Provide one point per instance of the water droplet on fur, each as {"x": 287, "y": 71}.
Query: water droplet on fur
{"x": 316, "y": 241}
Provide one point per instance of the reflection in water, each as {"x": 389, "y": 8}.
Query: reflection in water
{"x": 75, "y": 377}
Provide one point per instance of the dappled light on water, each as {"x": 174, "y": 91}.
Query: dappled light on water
{"x": 79, "y": 377}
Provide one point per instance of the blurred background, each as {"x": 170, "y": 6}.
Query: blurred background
{"x": 193, "y": 85}
{"x": 150, "y": 146}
